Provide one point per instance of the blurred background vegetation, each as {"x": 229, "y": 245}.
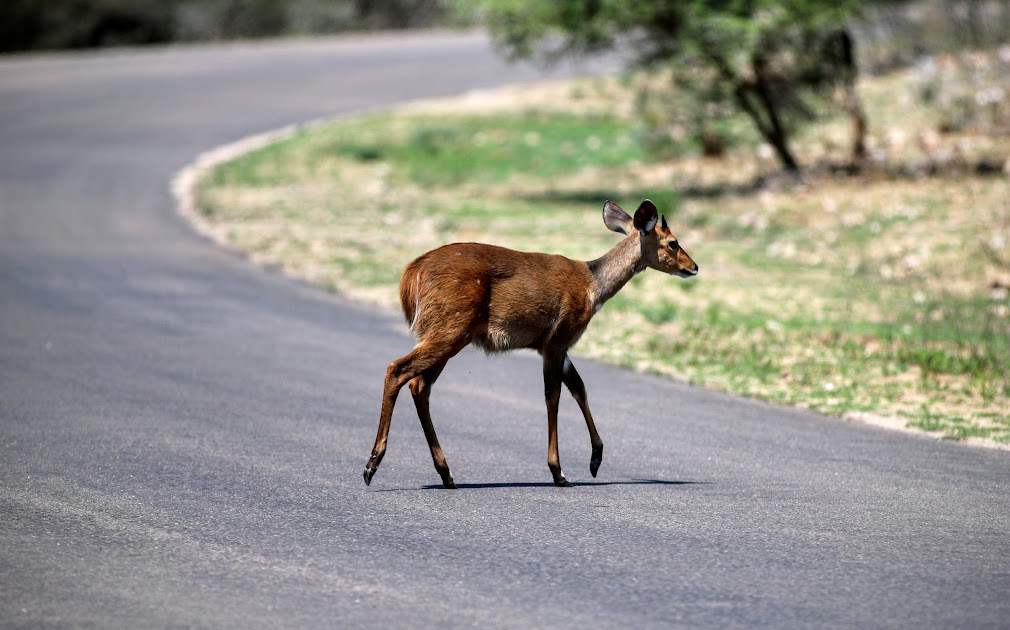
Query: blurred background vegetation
{"x": 778, "y": 64}
{"x": 891, "y": 32}
{"x": 63, "y": 24}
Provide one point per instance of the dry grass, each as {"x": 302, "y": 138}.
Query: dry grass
{"x": 877, "y": 297}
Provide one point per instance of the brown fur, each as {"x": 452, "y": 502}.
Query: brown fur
{"x": 499, "y": 299}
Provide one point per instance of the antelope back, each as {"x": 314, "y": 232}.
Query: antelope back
{"x": 498, "y": 298}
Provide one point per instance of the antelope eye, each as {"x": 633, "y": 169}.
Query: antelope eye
{"x": 673, "y": 245}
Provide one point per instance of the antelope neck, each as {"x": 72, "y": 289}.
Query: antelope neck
{"x": 613, "y": 270}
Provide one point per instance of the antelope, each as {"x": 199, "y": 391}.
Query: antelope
{"x": 499, "y": 299}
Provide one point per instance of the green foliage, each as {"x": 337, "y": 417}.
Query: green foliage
{"x": 767, "y": 57}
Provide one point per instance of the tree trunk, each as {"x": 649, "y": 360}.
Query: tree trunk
{"x": 858, "y": 116}
{"x": 778, "y": 137}
{"x": 765, "y": 116}
{"x": 780, "y": 143}
{"x": 853, "y": 104}
{"x": 763, "y": 112}
{"x": 772, "y": 134}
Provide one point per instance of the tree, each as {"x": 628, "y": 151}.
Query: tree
{"x": 771, "y": 58}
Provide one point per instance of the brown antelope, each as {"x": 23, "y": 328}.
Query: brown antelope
{"x": 499, "y": 299}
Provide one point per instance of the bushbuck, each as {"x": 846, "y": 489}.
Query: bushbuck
{"x": 499, "y": 299}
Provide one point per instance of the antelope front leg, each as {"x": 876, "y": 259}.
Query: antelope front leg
{"x": 553, "y": 369}
{"x": 578, "y": 389}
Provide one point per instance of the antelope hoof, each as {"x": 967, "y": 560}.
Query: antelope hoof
{"x": 561, "y": 482}
{"x": 369, "y": 473}
{"x": 596, "y": 460}
{"x": 447, "y": 479}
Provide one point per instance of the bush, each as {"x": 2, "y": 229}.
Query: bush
{"x": 56, "y": 24}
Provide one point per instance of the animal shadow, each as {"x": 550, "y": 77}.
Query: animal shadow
{"x": 579, "y": 484}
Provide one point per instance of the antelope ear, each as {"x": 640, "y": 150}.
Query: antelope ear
{"x": 665, "y": 226}
{"x": 615, "y": 218}
{"x": 646, "y": 217}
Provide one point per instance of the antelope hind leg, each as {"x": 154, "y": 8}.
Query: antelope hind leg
{"x": 420, "y": 389}
{"x": 575, "y": 385}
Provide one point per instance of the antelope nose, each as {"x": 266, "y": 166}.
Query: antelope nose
{"x": 696, "y": 269}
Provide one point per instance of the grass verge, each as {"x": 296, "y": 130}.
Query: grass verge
{"x": 878, "y": 296}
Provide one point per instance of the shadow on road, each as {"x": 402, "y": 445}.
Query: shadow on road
{"x": 549, "y": 484}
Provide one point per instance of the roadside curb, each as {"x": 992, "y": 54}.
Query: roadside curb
{"x": 183, "y": 184}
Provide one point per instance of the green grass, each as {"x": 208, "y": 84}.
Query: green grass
{"x": 865, "y": 295}
{"x": 434, "y": 152}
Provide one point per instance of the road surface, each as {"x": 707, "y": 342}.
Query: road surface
{"x": 182, "y": 435}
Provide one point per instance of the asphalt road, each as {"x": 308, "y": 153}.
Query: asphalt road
{"x": 182, "y": 435}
